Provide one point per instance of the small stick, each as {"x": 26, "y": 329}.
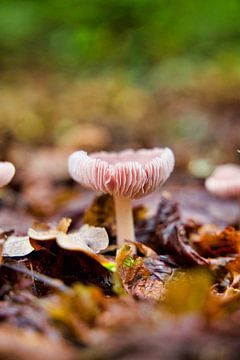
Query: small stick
{"x": 53, "y": 283}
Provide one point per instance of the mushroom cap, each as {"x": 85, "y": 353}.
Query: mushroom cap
{"x": 225, "y": 181}
{"x": 7, "y": 171}
{"x": 129, "y": 173}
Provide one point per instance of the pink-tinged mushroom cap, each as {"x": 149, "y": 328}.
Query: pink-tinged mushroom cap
{"x": 7, "y": 171}
{"x": 131, "y": 174}
{"x": 225, "y": 181}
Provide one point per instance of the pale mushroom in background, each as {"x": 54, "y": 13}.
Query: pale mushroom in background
{"x": 7, "y": 171}
{"x": 125, "y": 175}
{"x": 225, "y": 181}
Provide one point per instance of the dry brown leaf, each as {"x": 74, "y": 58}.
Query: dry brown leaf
{"x": 234, "y": 268}
{"x": 143, "y": 278}
{"x": 210, "y": 242}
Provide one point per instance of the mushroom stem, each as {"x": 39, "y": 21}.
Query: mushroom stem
{"x": 124, "y": 219}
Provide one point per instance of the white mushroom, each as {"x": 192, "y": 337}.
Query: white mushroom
{"x": 126, "y": 175}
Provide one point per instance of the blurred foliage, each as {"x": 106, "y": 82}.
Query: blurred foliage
{"x": 188, "y": 292}
{"x": 198, "y": 120}
{"x": 105, "y": 34}
{"x": 105, "y": 74}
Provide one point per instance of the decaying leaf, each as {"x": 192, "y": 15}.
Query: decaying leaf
{"x": 16, "y": 246}
{"x": 143, "y": 278}
{"x": 212, "y": 242}
{"x": 174, "y": 242}
{"x": 167, "y": 235}
{"x": 167, "y": 213}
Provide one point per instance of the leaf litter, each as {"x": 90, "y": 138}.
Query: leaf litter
{"x": 183, "y": 282}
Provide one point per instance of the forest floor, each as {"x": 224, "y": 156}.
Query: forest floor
{"x": 178, "y": 297}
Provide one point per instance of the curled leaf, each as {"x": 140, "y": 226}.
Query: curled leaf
{"x": 64, "y": 224}
{"x": 80, "y": 242}
{"x": 17, "y": 246}
{"x": 88, "y": 238}
{"x": 43, "y": 232}
{"x": 43, "y": 235}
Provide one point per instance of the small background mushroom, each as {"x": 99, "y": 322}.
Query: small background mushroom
{"x": 7, "y": 171}
{"x": 225, "y": 182}
{"x": 126, "y": 175}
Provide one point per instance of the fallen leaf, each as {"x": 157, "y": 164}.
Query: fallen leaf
{"x": 174, "y": 242}
{"x": 64, "y": 224}
{"x": 143, "y": 278}
{"x": 88, "y": 238}
{"x": 43, "y": 231}
{"x": 16, "y": 246}
{"x": 143, "y": 249}
{"x": 234, "y": 268}
{"x": 43, "y": 235}
{"x": 212, "y": 242}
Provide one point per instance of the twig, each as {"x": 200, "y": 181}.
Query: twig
{"x": 33, "y": 280}
{"x": 53, "y": 283}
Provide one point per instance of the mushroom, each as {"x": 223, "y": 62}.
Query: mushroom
{"x": 7, "y": 171}
{"x": 225, "y": 181}
{"x": 125, "y": 175}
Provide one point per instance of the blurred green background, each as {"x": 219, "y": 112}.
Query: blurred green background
{"x": 111, "y": 74}
{"x": 98, "y": 35}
